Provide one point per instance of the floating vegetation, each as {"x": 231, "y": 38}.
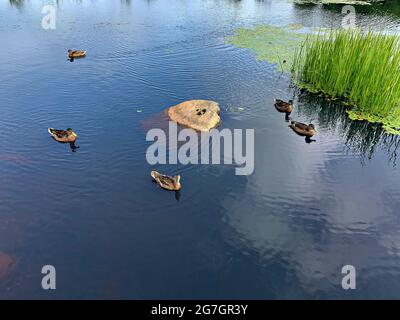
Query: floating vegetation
{"x": 295, "y": 26}
{"x": 355, "y": 2}
{"x": 273, "y": 44}
{"x": 359, "y": 69}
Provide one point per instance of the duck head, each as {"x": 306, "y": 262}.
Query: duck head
{"x": 71, "y": 132}
{"x": 312, "y": 128}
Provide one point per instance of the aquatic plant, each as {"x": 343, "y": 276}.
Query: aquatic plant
{"x": 273, "y": 44}
{"x": 361, "y": 69}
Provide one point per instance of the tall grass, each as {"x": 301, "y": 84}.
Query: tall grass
{"x": 360, "y": 68}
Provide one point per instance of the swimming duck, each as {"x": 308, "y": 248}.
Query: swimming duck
{"x": 63, "y": 135}
{"x": 283, "y": 106}
{"x": 167, "y": 182}
{"x": 76, "y": 54}
{"x": 303, "y": 129}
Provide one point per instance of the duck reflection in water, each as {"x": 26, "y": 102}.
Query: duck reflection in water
{"x": 176, "y": 193}
{"x": 73, "y": 146}
{"x": 309, "y": 140}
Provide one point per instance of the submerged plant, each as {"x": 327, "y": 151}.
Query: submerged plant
{"x": 361, "y": 69}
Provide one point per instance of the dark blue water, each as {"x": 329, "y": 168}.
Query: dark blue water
{"x": 283, "y": 232}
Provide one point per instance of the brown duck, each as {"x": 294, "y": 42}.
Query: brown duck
{"x": 76, "y": 54}
{"x": 307, "y": 130}
{"x": 283, "y": 106}
{"x": 63, "y": 135}
{"x": 167, "y": 182}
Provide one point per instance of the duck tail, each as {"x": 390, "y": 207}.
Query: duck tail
{"x": 50, "y": 130}
{"x": 154, "y": 174}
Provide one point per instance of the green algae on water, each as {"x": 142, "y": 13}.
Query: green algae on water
{"x": 295, "y": 26}
{"x": 389, "y": 124}
{"x": 273, "y": 44}
{"x": 349, "y": 2}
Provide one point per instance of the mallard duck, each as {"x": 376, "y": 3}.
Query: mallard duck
{"x": 76, "y": 54}
{"x": 283, "y": 106}
{"x": 167, "y": 182}
{"x": 63, "y": 135}
{"x": 303, "y": 129}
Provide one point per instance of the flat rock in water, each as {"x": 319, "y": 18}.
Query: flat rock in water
{"x": 6, "y": 264}
{"x": 201, "y": 115}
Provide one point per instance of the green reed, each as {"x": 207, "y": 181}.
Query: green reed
{"x": 361, "y": 69}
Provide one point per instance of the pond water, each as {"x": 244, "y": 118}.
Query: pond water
{"x": 285, "y": 231}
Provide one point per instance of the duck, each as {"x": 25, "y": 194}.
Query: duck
{"x": 63, "y": 136}
{"x": 283, "y": 106}
{"x": 76, "y": 54}
{"x": 167, "y": 182}
{"x": 307, "y": 130}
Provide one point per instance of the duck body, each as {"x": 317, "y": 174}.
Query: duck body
{"x": 283, "y": 106}
{"x": 307, "y": 130}
{"x": 76, "y": 54}
{"x": 63, "y": 136}
{"x": 167, "y": 182}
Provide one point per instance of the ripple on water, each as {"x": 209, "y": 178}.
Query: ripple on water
{"x": 307, "y": 210}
